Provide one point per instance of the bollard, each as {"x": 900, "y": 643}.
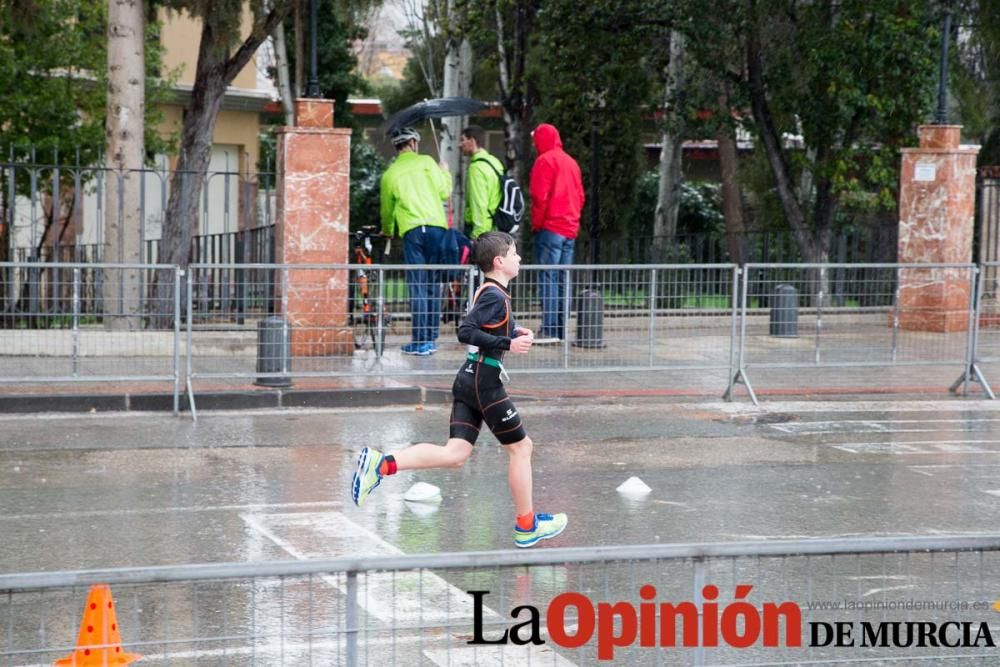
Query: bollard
{"x": 590, "y": 319}
{"x": 785, "y": 312}
{"x": 272, "y": 352}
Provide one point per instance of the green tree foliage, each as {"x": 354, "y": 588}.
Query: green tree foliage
{"x": 367, "y": 166}
{"x": 338, "y": 27}
{"x": 700, "y": 212}
{"x": 51, "y": 72}
{"x": 851, "y": 78}
{"x": 410, "y": 90}
{"x": 976, "y": 79}
{"x": 590, "y": 64}
{"x": 422, "y": 73}
{"x": 53, "y": 60}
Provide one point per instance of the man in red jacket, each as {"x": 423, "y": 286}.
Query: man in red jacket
{"x": 556, "y": 201}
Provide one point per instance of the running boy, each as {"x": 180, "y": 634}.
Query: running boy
{"x": 479, "y": 396}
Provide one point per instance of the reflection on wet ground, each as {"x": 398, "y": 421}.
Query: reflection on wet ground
{"x": 116, "y": 491}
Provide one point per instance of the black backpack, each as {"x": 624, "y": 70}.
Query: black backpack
{"x": 510, "y": 211}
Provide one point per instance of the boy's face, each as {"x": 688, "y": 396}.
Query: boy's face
{"x": 509, "y": 264}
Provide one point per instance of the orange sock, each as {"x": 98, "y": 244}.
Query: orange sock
{"x": 388, "y": 466}
{"x": 526, "y": 521}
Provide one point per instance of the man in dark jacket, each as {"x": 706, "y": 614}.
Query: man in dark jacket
{"x": 556, "y": 202}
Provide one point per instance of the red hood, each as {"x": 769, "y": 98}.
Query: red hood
{"x": 546, "y": 138}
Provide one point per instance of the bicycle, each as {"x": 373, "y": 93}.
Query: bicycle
{"x": 367, "y": 315}
{"x": 452, "y": 303}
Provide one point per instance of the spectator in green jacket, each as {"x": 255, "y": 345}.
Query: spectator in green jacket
{"x": 414, "y": 191}
{"x": 482, "y": 183}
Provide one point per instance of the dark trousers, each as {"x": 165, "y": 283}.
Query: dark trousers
{"x": 551, "y": 248}
{"x": 424, "y": 245}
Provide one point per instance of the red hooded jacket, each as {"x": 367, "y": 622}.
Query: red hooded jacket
{"x": 556, "y": 187}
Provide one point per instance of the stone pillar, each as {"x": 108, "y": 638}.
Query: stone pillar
{"x": 937, "y": 197}
{"x": 313, "y": 186}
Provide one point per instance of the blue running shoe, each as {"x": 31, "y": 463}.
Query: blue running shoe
{"x": 411, "y": 348}
{"x": 367, "y": 476}
{"x": 425, "y": 349}
{"x": 546, "y": 527}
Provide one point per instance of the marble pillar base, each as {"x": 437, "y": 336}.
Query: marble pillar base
{"x": 332, "y": 341}
{"x": 934, "y": 302}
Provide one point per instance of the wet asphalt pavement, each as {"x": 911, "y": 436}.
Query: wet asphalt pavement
{"x": 99, "y": 491}
{"x": 109, "y": 491}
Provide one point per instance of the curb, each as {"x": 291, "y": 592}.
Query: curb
{"x": 369, "y": 397}
{"x": 224, "y": 400}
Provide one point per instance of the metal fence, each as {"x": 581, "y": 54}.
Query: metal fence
{"x": 90, "y": 323}
{"x": 745, "y": 603}
{"x": 58, "y": 212}
{"x": 672, "y": 317}
{"x": 267, "y": 323}
{"x": 876, "y": 243}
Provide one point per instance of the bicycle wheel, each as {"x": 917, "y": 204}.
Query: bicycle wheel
{"x": 360, "y": 331}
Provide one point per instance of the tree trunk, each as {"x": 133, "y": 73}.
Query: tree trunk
{"x": 451, "y": 127}
{"x": 457, "y": 81}
{"x": 773, "y": 148}
{"x": 518, "y": 94}
{"x": 511, "y": 117}
{"x": 281, "y": 64}
{"x": 125, "y": 148}
{"x": 671, "y": 145}
{"x": 732, "y": 198}
{"x": 823, "y": 220}
{"x": 214, "y": 72}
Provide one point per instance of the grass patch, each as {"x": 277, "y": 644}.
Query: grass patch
{"x": 626, "y": 299}
{"x": 706, "y": 301}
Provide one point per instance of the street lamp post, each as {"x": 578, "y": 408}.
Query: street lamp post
{"x": 312, "y": 87}
{"x": 595, "y": 187}
{"x": 941, "y": 117}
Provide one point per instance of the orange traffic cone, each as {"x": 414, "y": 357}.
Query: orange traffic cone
{"x": 99, "y": 641}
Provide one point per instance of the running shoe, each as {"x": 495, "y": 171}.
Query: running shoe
{"x": 546, "y": 527}
{"x": 425, "y": 350}
{"x": 367, "y": 476}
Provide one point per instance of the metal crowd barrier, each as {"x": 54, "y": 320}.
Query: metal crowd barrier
{"x": 271, "y": 323}
{"x": 889, "y": 315}
{"x": 987, "y": 349}
{"x": 72, "y": 322}
{"x": 823, "y": 601}
{"x": 349, "y": 320}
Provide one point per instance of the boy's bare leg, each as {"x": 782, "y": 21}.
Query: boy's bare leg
{"x": 427, "y": 455}
{"x": 519, "y": 476}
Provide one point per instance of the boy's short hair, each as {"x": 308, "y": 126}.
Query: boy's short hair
{"x": 488, "y": 247}
{"x": 477, "y": 133}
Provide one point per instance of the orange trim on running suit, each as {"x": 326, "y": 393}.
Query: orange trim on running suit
{"x": 506, "y": 304}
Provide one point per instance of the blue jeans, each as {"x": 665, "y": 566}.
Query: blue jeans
{"x": 424, "y": 245}
{"x": 551, "y": 248}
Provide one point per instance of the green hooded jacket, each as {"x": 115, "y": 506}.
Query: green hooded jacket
{"x": 413, "y": 190}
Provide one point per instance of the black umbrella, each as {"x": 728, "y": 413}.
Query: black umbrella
{"x": 439, "y": 107}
